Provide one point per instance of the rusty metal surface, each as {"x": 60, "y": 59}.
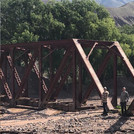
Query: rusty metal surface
{"x": 58, "y": 44}
{"x": 39, "y": 73}
{"x": 99, "y": 73}
{"x": 92, "y": 50}
{"x": 74, "y": 85}
{"x": 62, "y": 81}
{"x": 124, "y": 58}
{"x": 55, "y": 86}
{"x": 17, "y": 77}
{"x": 25, "y": 77}
{"x": 114, "y": 99}
{"x": 80, "y": 81}
{"x": 7, "y": 89}
{"x": 131, "y": 108}
{"x": 57, "y": 76}
{"x": 48, "y": 44}
{"x": 91, "y": 70}
{"x": 12, "y": 73}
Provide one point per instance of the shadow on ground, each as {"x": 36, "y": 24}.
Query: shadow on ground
{"x": 117, "y": 125}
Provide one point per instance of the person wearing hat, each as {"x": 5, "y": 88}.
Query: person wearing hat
{"x": 123, "y": 100}
{"x": 104, "y": 101}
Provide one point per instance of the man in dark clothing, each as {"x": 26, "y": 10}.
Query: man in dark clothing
{"x": 104, "y": 101}
{"x": 123, "y": 100}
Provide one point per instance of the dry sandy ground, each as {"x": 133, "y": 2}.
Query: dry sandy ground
{"x": 51, "y": 121}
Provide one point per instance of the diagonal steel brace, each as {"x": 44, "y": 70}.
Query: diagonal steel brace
{"x": 99, "y": 73}
{"x": 57, "y": 76}
{"x": 37, "y": 73}
{"x": 26, "y": 74}
{"x": 91, "y": 70}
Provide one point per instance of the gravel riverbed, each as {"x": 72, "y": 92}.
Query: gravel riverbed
{"x": 51, "y": 121}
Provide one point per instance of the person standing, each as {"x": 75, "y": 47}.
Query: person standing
{"x": 123, "y": 100}
{"x": 104, "y": 101}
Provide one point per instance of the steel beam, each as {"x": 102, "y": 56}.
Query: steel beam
{"x": 114, "y": 47}
{"x": 74, "y": 81}
{"x": 0, "y": 67}
{"x": 40, "y": 74}
{"x": 26, "y": 74}
{"x": 25, "y": 51}
{"x": 92, "y": 49}
{"x": 55, "y": 44}
{"x": 12, "y": 74}
{"x": 5, "y": 84}
{"x": 51, "y": 64}
{"x": 5, "y": 68}
{"x": 26, "y": 94}
{"x": 91, "y": 70}
{"x": 99, "y": 73}
{"x": 18, "y": 80}
{"x": 58, "y": 44}
{"x": 114, "y": 99}
{"x": 131, "y": 108}
{"x": 56, "y": 77}
{"x": 124, "y": 58}
{"x": 58, "y": 89}
{"x": 80, "y": 82}
{"x": 90, "y": 43}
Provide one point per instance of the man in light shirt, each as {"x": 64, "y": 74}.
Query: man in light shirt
{"x": 104, "y": 101}
{"x": 123, "y": 100}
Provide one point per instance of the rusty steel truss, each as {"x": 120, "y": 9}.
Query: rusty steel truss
{"x": 74, "y": 58}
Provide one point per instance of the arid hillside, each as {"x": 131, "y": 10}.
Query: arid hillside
{"x": 112, "y": 3}
{"x": 123, "y": 15}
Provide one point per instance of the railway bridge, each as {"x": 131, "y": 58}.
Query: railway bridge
{"x": 73, "y": 61}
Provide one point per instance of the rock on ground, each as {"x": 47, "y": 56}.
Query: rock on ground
{"x": 50, "y": 121}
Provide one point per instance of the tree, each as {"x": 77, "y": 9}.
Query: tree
{"x": 55, "y": 20}
{"x": 19, "y": 18}
{"x": 32, "y": 20}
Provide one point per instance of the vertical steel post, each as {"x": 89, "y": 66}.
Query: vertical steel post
{"x": 114, "y": 99}
{"x": 40, "y": 75}
{"x": 26, "y": 74}
{"x": 51, "y": 65}
{"x": 74, "y": 81}
{"x": 91, "y": 70}
{"x": 80, "y": 81}
{"x": 56, "y": 77}
{"x": 5, "y": 68}
{"x": 60, "y": 86}
{"x": 0, "y": 74}
{"x": 99, "y": 73}
{"x": 12, "y": 77}
{"x": 26, "y": 85}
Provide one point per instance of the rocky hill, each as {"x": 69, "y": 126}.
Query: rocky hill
{"x": 113, "y": 3}
{"x": 123, "y": 15}
{"x": 107, "y": 3}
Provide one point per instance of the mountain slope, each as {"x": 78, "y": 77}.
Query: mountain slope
{"x": 123, "y": 15}
{"x": 107, "y": 3}
{"x": 113, "y": 3}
